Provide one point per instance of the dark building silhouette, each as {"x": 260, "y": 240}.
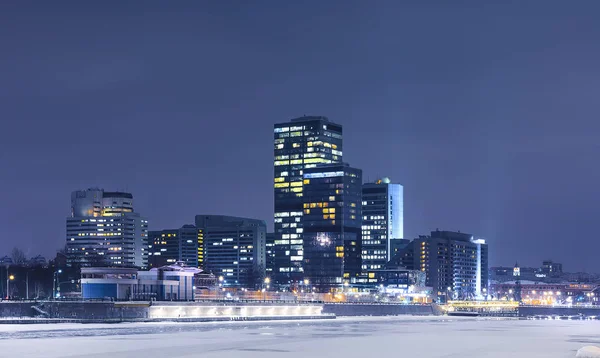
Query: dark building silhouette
{"x": 167, "y": 247}
{"x": 332, "y": 225}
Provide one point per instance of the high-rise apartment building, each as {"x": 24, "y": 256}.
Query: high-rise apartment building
{"x": 234, "y": 248}
{"x": 104, "y": 230}
{"x": 331, "y": 225}
{"x": 383, "y": 222}
{"x": 167, "y": 247}
{"x": 300, "y": 144}
{"x": 455, "y": 263}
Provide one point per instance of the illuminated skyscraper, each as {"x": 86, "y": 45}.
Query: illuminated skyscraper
{"x": 383, "y": 222}
{"x": 332, "y": 225}
{"x": 300, "y": 144}
{"x": 104, "y": 230}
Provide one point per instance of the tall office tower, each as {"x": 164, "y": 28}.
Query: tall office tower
{"x": 169, "y": 246}
{"x": 332, "y": 225}
{"x": 455, "y": 263}
{"x": 234, "y": 248}
{"x": 303, "y": 143}
{"x": 104, "y": 230}
{"x": 383, "y": 222}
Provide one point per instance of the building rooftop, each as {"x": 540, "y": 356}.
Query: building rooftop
{"x": 117, "y": 194}
{"x": 310, "y": 118}
{"x": 179, "y": 266}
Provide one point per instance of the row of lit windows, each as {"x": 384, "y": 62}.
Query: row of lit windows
{"x": 101, "y": 233}
{"x": 374, "y": 217}
{"x": 301, "y": 161}
{"x": 288, "y": 214}
{"x": 374, "y": 257}
{"x": 371, "y": 242}
{"x": 324, "y": 144}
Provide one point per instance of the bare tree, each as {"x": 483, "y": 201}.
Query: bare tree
{"x": 18, "y": 256}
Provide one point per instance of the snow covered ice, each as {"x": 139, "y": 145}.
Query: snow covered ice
{"x": 344, "y": 337}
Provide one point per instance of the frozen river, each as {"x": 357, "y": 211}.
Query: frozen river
{"x": 343, "y": 337}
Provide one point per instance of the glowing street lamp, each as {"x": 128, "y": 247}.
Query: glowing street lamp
{"x": 8, "y": 279}
{"x": 54, "y": 282}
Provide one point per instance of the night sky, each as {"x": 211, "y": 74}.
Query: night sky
{"x": 488, "y": 114}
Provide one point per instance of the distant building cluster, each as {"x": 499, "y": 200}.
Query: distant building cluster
{"x": 332, "y": 232}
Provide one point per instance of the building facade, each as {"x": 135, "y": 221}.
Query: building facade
{"x": 300, "y": 144}
{"x": 234, "y": 248}
{"x": 551, "y": 268}
{"x": 455, "y": 263}
{"x": 169, "y": 246}
{"x": 383, "y": 222}
{"x": 332, "y": 225}
{"x": 270, "y": 254}
{"x": 104, "y": 230}
{"x": 167, "y": 283}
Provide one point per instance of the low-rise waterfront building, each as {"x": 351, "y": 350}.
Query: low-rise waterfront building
{"x": 167, "y": 283}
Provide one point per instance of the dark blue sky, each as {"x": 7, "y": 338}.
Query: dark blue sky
{"x": 487, "y": 113}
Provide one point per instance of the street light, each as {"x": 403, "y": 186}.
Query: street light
{"x": 221, "y": 279}
{"x": 55, "y": 278}
{"x": 8, "y": 279}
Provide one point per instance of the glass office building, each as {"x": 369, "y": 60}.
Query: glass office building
{"x": 383, "y": 222}
{"x": 299, "y": 145}
{"x": 332, "y": 225}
